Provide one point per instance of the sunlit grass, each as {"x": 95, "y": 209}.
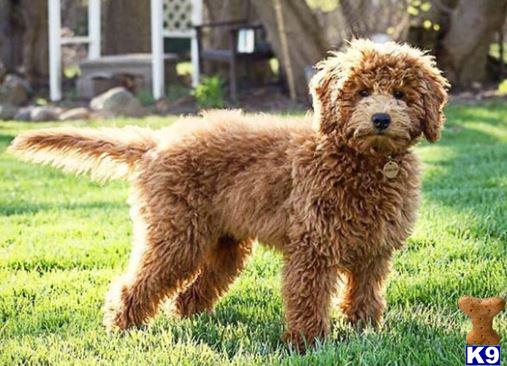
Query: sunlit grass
{"x": 63, "y": 238}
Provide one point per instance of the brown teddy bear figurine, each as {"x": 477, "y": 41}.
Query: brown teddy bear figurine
{"x": 482, "y": 312}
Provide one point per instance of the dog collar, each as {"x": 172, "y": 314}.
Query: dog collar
{"x": 391, "y": 168}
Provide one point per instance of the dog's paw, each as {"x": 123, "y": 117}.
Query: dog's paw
{"x": 362, "y": 316}
{"x": 301, "y": 341}
{"x": 296, "y": 341}
{"x": 363, "y": 320}
{"x": 115, "y": 319}
{"x": 118, "y": 313}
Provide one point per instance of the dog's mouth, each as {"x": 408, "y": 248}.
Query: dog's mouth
{"x": 379, "y": 139}
{"x": 384, "y": 142}
{"x": 371, "y": 134}
{"x": 378, "y": 134}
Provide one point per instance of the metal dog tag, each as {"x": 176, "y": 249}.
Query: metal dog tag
{"x": 391, "y": 169}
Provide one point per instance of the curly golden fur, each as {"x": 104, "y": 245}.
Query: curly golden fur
{"x": 206, "y": 188}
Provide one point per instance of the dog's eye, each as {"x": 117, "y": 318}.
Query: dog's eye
{"x": 364, "y": 93}
{"x": 398, "y": 94}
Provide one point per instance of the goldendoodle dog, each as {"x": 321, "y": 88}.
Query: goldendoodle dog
{"x": 336, "y": 197}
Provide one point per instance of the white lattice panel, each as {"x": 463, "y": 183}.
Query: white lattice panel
{"x": 178, "y": 16}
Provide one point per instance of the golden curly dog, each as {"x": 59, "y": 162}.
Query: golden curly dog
{"x": 336, "y": 198}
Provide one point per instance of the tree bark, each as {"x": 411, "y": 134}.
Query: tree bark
{"x": 353, "y": 14}
{"x": 126, "y": 26}
{"x": 35, "y": 42}
{"x": 220, "y": 11}
{"x": 24, "y": 39}
{"x": 463, "y": 53}
{"x": 12, "y": 29}
{"x": 306, "y": 38}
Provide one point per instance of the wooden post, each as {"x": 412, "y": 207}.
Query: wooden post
{"x": 157, "y": 48}
{"x": 94, "y": 29}
{"x": 194, "y": 51}
{"x": 55, "y": 51}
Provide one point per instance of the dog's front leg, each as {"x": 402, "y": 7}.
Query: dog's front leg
{"x": 309, "y": 281}
{"x": 363, "y": 302}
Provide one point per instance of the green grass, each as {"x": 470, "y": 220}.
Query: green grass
{"x": 63, "y": 238}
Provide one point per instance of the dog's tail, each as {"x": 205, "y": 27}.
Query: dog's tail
{"x": 106, "y": 153}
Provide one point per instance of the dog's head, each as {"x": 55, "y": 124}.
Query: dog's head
{"x": 379, "y": 98}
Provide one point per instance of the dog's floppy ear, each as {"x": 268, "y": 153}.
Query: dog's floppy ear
{"x": 321, "y": 89}
{"x": 434, "y": 93}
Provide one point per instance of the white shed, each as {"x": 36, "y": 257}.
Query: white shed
{"x": 167, "y": 20}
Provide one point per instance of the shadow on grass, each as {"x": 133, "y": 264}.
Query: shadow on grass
{"x": 5, "y": 140}
{"x": 456, "y": 133}
{"x": 244, "y": 326}
{"x": 231, "y": 330}
{"x": 468, "y": 181}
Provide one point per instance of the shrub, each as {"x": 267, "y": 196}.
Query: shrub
{"x": 146, "y": 97}
{"x": 209, "y": 93}
{"x": 502, "y": 87}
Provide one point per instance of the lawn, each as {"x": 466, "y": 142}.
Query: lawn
{"x": 63, "y": 238}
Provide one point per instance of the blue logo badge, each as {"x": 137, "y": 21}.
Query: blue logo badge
{"x": 482, "y": 355}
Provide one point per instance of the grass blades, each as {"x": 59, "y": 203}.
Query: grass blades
{"x": 63, "y": 238}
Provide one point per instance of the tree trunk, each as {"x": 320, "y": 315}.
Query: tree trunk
{"x": 126, "y": 26}
{"x": 463, "y": 53}
{"x": 35, "y": 42}
{"x": 307, "y": 43}
{"x": 220, "y": 11}
{"x": 24, "y": 39}
{"x": 353, "y": 14}
{"x": 11, "y": 35}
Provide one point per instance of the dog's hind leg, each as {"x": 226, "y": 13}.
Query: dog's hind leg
{"x": 221, "y": 267}
{"x": 167, "y": 255}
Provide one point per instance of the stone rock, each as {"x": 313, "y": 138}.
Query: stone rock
{"x": 75, "y": 114}
{"x": 162, "y": 106}
{"x": 45, "y": 113}
{"x": 14, "y": 90}
{"x": 7, "y": 111}
{"x": 23, "y": 114}
{"x": 477, "y": 85}
{"x": 117, "y": 102}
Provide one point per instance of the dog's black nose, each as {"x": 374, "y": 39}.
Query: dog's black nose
{"x": 381, "y": 120}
